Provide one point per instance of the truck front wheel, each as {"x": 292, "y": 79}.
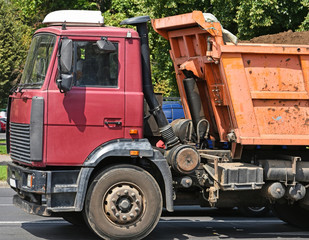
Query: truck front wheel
{"x": 123, "y": 202}
{"x": 292, "y": 214}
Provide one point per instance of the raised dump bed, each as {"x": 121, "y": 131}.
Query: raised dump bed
{"x": 252, "y": 94}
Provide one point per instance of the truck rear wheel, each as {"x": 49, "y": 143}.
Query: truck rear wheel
{"x": 123, "y": 202}
{"x": 254, "y": 211}
{"x": 292, "y": 214}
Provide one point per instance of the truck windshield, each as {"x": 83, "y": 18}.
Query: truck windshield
{"x": 37, "y": 62}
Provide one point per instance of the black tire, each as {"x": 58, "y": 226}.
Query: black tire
{"x": 75, "y": 218}
{"x": 128, "y": 191}
{"x": 254, "y": 211}
{"x": 292, "y": 214}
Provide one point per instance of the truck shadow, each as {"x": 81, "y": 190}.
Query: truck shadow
{"x": 222, "y": 228}
{"x": 58, "y": 229}
{"x": 181, "y": 228}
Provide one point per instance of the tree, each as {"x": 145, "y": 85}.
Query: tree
{"x": 33, "y": 11}
{"x": 14, "y": 41}
{"x": 255, "y": 18}
{"x": 305, "y": 24}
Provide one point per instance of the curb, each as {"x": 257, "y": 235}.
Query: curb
{"x": 3, "y": 163}
{"x": 4, "y": 184}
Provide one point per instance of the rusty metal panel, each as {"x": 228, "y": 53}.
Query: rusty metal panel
{"x": 239, "y": 89}
{"x": 282, "y": 117}
{"x": 273, "y": 107}
{"x": 273, "y": 73}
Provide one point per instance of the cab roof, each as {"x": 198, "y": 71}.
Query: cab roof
{"x": 90, "y": 31}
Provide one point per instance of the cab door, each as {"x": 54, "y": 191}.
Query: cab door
{"x": 92, "y": 113}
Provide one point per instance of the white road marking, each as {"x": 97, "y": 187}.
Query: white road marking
{"x": 32, "y": 222}
{"x": 6, "y": 205}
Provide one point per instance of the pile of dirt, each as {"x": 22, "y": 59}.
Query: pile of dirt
{"x": 288, "y": 37}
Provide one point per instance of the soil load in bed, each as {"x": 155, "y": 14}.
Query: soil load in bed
{"x": 289, "y": 37}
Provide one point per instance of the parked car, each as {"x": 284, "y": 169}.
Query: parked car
{"x": 3, "y": 113}
{"x": 2, "y": 124}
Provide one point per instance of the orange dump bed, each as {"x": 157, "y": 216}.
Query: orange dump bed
{"x": 257, "y": 91}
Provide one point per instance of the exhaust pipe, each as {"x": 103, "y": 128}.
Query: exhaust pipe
{"x": 165, "y": 128}
{"x": 196, "y": 110}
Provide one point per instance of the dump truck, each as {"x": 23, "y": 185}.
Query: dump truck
{"x": 76, "y": 124}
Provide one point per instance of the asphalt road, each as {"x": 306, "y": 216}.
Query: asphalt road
{"x": 186, "y": 223}
{"x": 2, "y": 135}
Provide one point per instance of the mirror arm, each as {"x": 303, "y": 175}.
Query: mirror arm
{"x": 59, "y": 81}
{"x": 106, "y": 45}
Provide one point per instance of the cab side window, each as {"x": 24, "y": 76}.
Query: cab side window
{"x": 94, "y": 67}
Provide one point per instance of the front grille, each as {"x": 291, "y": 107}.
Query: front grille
{"x": 20, "y": 141}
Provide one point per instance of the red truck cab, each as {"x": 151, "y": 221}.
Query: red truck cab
{"x": 68, "y": 127}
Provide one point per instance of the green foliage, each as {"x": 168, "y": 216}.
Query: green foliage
{"x": 255, "y": 18}
{"x": 225, "y": 12}
{"x": 305, "y": 24}
{"x": 123, "y": 9}
{"x": 14, "y": 41}
{"x": 33, "y": 11}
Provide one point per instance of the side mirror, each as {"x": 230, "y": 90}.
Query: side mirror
{"x": 65, "y": 82}
{"x": 106, "y": 46}
{"x": 66, "y": 53}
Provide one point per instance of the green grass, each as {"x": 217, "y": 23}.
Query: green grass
{"x": 3, "y": 173}
{"x": 2, "y": 147}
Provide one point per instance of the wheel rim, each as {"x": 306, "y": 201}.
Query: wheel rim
{"x": 123, "y": 204}
{"x": 256, "y": 209}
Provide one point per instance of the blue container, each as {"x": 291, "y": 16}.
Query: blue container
{"x": 172, "y": 110}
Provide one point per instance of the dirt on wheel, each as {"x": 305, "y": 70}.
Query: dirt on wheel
{"x": 289, "y": 37}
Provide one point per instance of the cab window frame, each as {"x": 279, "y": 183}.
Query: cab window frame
{"x": 79, "y": 54}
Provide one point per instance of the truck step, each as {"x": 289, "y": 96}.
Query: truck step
{"x": 61, "y": 188}
{"x": 236, "y": 176}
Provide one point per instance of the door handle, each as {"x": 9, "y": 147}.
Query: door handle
{"x": 118, "y": 123}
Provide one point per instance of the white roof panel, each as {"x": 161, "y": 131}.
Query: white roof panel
{"x": 74, "y": 18}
